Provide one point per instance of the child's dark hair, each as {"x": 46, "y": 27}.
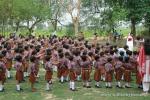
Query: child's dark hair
{"x": 135, "y": 52}
{"x": 4, "y": 52}
{"x": 84, "y": 52}
{"x": 109, "y": 59}
{"x": 121, "y": 53}
{"x": 90, "y": 54}
{"x": 97, "y": 57}
{"x": 61, "y": 55}
{"x": 101, "y": 53}
{"x": 47, "y": 58}
{"x": 120, "y": 58}
{"x": 18, "y": 58}
{"x": 60, "y": 50}
{"x": 48, "y": 51}
{"x": 111, "y": 52}
{"x": 126, "y": 59}
{"x": 71, "y": 58}
{"x": 1, "y": 55}
{"x": 84, "y": 57}
{"x": 32, "y": 58}
{"x": 129, "y": 52}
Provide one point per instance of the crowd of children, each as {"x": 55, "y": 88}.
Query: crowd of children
{"x": 75, "y": 60}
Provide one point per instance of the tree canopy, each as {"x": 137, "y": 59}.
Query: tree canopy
{"x": 97, "y": 14}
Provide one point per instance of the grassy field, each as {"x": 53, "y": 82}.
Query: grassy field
{"x": 62, "y": 92}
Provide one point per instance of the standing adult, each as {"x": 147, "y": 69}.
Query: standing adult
{"x": 144, "y": 63}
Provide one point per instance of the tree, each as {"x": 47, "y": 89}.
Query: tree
{"x": 30, "y": 11}
{"x": 146, "y": 14}
{"x": 73, "y": 7}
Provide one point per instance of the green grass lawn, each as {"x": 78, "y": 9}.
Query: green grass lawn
{"x": 62, "y": 92}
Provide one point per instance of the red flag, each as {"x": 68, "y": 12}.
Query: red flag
{"x": 141, "y": 61}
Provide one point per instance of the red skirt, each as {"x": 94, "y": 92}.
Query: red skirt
{"x": 109, "y": 76}
{"x": 62, "y": 72}
{"x": 9, "y": 64}
{"x": 32, "y": 78}
{"x": 19, "y": 76}
{"x": 138, "y": 78}
{"x": 48, "y": 75}
{"x": 72, "y": 76}
{"x": 85, "y": 74}
{"x": 119, "y": 73}
{"x": 25, "y": 65}
{"x": 78, "y": 71}
{"x": 97, "y": 75}
{"x": 127, "y": 76}
{"x": 2, "y": 77}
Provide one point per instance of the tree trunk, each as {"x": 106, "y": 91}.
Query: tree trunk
{"x": 17, "y": 26}
{"x": 33, "y": 25}
{"x": 76, "y": 26}
{"x": 133, "y": 28}
{"x": 55, "y": 25}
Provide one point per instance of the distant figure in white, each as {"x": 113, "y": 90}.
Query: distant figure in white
{"x": 130, "y": 42}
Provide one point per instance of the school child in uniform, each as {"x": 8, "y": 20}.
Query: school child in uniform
{"x": 2, "y": 73}
{"x": 32, "y": 73}
{"x": 77, "y": 60}
{"x": 102, "y": 61}
{"x": 119, "y": 70}
{"x": 19, "y": 71}
{"x": 127, "y": 73}
{"x": 62, "y": 67}
{"x": 97, "y": 73}
{"x": 109, "y": 73}
{"x": 49, "y": 72}
{"x": 85, "y": 65}
{"x": 26, "y": 60}
{"x": 9, "y": 58}
{"x": 72, "y": 73}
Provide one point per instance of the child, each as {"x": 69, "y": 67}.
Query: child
{"x": 72, "y": 73}
{"x": 109, "y": 73}
{"x": 26, "y": 60}
{"x": 32, "y": 76}
{"x": 2, "y": 73}
{"x": 19, "y": 71}
{"x": 9, "y": 61}
{"x": 85, "y": 64}
{"x": 127, "y": 73}
{"x": 97, "y": 74}
{"x": 77, "y": 60}
{"x": 49, "y": 72}
{"x": 102, "y": 61}
{"x": 62, "y": 67}
{"x": 119, "y": 71}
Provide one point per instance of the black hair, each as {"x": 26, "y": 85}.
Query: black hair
{"x": 18, "y": 58}
{"x": 97, "y": 57}
{"x": 1, "y": 55}
{"x": 61, "y": 55}
{"x": 84, "y": 57}
{"x": 4, "y": 52}
{"x": 71, "y": 58}
{"x": 32, "y": 58}
{"x": 47, "y": 57}
{"x": 109, "y": 59}
{"x": 121, "y": 53}
{"x": 120, "y": 58}
{"x": 101, "y": 53}
{"x": 90, "y": 54}
{"x": 126, "y": 59}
